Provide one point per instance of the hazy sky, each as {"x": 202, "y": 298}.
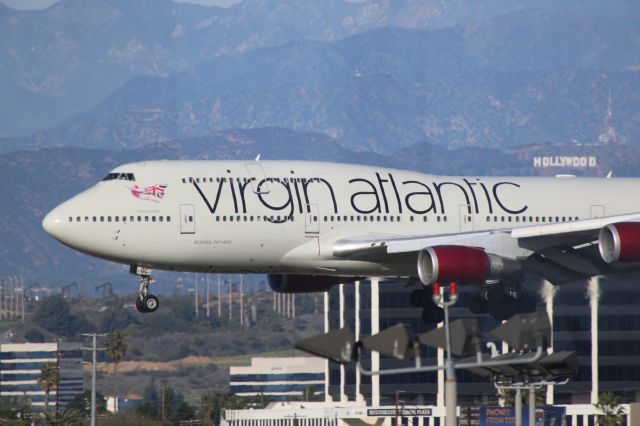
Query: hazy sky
{"x": 41, "y": 4}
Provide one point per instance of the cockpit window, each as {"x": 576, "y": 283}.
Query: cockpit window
{"x": 120, "y": 176}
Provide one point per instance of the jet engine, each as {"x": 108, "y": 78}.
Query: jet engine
{"x": 462, "y": 264}
{"x": 304, "y": 283}
{"x": 620, "y": 242}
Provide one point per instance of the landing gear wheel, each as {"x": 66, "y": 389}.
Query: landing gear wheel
{"x": 477, "y": 305}
{"x": 433, "y": 314}
{"x": 420, "y": 298}
{"x": 140, "y": 307}
{"x": 500, "y": 305}
{"x": 145, "y": 302}
{"x": 526, "y": 304}
{"x": 150, "y": 303}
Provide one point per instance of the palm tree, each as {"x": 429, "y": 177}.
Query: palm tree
{"x": 612, "y": 412}
{"x": 117, "y": 350}
{"x": 49, "y": 377}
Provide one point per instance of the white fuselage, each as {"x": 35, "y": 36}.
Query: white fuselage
{"x": 284, "y": 216}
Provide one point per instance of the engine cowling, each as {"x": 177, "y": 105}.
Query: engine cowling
{"x": 303, "y": 283}
{"x": 620, "y": 242}
{"x": 463, "y": 265}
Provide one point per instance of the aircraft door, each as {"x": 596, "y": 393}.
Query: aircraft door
{"x": 466, "y": 219}
{"x": 312, "y": 220}
{"x": 187, "y": 219}
{"x": 256, "y": 174}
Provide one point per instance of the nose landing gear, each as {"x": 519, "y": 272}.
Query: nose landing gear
{"x": 145, "y": 302}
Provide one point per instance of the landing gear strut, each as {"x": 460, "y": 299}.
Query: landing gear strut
{"x": 145, "y": 302}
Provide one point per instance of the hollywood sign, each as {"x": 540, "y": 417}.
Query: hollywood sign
{"x": 564, "y": 161}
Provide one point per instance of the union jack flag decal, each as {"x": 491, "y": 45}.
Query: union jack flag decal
{"x": 153, "y": 193}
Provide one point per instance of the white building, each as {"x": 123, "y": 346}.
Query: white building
{"x": 20, "y": 366}
{"x": 279, "y": 379}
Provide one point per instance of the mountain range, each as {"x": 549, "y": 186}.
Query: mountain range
{"x": 107, "y": 60}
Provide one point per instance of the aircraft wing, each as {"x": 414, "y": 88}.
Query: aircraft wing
{"x": 559, "y": 252}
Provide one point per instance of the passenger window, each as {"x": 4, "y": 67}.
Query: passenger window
{"x": 184, "y": 180}
{"x": 438, "y": 218}
{"x": 146, "y": 218}
{"x": 153, "y": 218}
{"x": 117, "y": 218}
{"x": 109, "y": 218}
{"x": 86, "y": 218}
{"x": 70, "y": 219}
{"x": 139, "y": 218}
{"x": 168, "y": 218}
{"x": 424, "y": 218}
{"x": 131, "y": 219}
{"x": 190, "y": 218}
{"x": 95, "y": 219}
{"x": 78, "y": 219}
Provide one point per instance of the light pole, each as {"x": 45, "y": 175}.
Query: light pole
{"x": 398, "y": 392}
{"x": 94, "y": 349}
{"x": 450, "y": 385}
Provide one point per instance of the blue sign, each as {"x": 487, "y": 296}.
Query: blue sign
{"x": 506, "y": 416}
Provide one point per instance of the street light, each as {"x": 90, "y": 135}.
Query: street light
{"x": 462, "y": 337}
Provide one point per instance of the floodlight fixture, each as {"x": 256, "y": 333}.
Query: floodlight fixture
{"x": 525, "y": 331}
{"x": 396, "y": 342}
{"x": 555, "y": 366}
{"x": 466, "y": 337}
{"x": 337, "y": 345}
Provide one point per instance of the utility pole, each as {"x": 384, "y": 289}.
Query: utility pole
{"x": 22, "y": 298}
{"x": 162, "y": 403}
{"x": 195, "y": 294}
{"x": 59, "y": 378}
{"x": 93, "y": 350}
{"x": 219, "y": 298}
{"x": 208, "y": 296}
{"x": 230, "y": 299}
{"x": 241, "y": 299}
{"x": 293, "y": 305}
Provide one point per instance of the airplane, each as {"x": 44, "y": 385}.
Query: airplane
{"x": 312, "y": 225}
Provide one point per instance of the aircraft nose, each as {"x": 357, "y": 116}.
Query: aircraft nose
{"x": 54, "y": 223}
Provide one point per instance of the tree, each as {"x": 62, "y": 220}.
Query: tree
{"x": 117, "y": 350}
{"x": 82, "y": 403}
{"x": 165, "y": 404}
{"x": 308, "y": 393}
{"x": 215, "y": 402}
{"x": 54, "y": 315}
{"x": 48, "y": 378}
{"x": 612, "y": 412}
